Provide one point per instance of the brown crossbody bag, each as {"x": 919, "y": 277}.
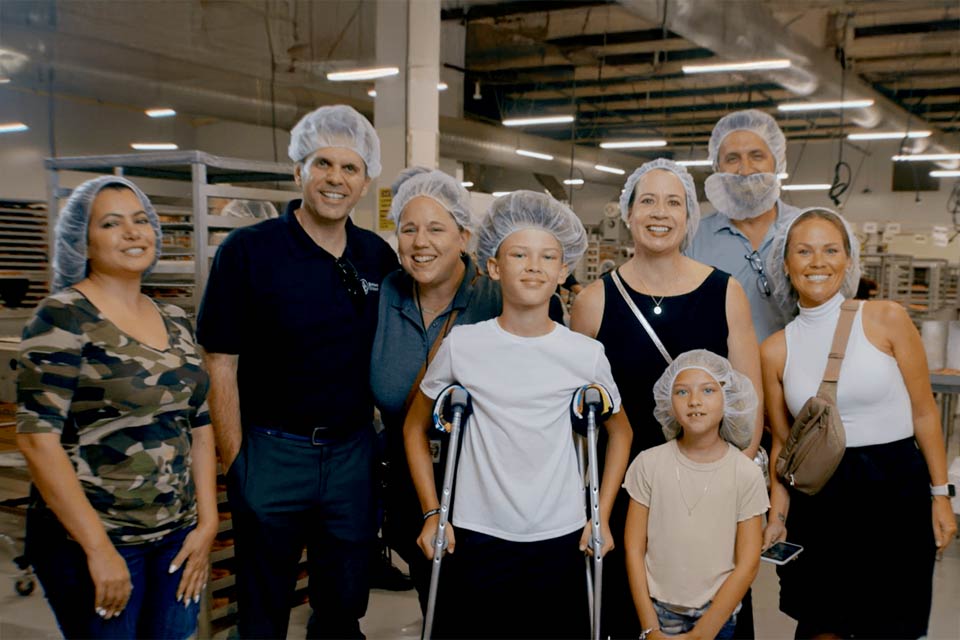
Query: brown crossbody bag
{"x": 817, "y": 439}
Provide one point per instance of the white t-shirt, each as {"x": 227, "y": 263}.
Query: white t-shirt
{"x": 517, "y": 477}
{"x": 691, "y": 536}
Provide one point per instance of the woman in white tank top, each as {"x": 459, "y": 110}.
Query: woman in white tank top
{"x": 870, "y": 527}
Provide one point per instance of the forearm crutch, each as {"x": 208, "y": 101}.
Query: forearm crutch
{"x": 594, "y": 401}
{"x": 449, "y": 411}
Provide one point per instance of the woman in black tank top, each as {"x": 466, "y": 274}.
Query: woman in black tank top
{"x": 689, "y": 305}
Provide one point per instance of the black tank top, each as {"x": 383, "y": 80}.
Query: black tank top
{"x": 694, "y": 320}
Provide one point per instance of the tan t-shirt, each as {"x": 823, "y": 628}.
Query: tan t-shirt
{"x": 694, "y": 511}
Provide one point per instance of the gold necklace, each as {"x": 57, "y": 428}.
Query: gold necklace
{"x": 706, "y": 487}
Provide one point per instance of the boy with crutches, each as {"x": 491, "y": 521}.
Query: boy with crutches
{"x": 515, "y": 565}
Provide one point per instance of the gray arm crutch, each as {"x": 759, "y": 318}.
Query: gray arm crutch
{"x": 455, "y": 402}
{"x": 596, "y": 401}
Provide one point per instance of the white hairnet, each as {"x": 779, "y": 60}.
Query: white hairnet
{"x": 739, "y": 396}
{"x": 436, "y": 185}
{"x": 783, "y": 293}
{"x": 757, "y": 122}
{"x": 70, "y": 235}
{"x": 531, "y": 210}
{"x": 336, "y": 126}
{"x": 260, "y": 209}
{"x": 689, "y": 188}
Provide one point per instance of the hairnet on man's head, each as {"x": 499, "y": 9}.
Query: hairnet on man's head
{"x": 531, "y": 210}
{"x": 689, "y": 188}
{"x": 739, "y": 396}
{"x": 440, "y": 187}
{"x": 756, "y": 122}
{"x": 70, "y": 234}
{"x": 336, "y": 126}
{"x": 782, "y": 291}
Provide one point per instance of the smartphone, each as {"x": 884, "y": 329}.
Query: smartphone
{"x": 781, "y": 552}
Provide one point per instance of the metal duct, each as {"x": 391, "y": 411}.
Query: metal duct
{"x": 746, "y": 30}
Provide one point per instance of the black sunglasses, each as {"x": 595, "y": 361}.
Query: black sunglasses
{"x": 757, "y": 263}
{"x": 351, "y": 280}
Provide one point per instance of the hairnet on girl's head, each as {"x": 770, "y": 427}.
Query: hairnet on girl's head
{"x": 689, "y": 188}
{"x": 71, "y": 230}
{"x": 739, "y": 396}
{"x": 782, "y": 290}
{"x": 336, "y": 126}
{"x": 757, "y": 122}
{"x": 444, "y": 189}
{"x": 531, "y": 210}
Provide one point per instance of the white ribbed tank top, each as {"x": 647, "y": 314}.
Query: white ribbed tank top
{"x": 871, "y": 395}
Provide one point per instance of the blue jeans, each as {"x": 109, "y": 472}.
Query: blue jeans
{"x": 152, "y": 610}
{"x": 673, "y": 623}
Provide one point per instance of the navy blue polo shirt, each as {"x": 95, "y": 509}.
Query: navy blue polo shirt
{"x": 302, "y": 328}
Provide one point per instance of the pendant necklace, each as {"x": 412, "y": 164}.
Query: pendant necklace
{"x": 706, "y": 487}
{"x": 657, "y": 304}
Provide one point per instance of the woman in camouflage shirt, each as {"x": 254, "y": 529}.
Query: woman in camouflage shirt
{"x": 113, "y": 423}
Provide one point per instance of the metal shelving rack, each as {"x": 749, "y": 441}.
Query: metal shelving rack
{"x": 181, "y": 184}
{"x": 893, "y": 274}
{"x": 24, "y": 264}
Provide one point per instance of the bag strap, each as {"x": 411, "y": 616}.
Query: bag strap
{"x": 828, "y": 385}
{"x": 640, "y": 317}
{"x": 447, "y": 325}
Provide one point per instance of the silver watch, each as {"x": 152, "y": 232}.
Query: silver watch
{"x": 948, "y": 490}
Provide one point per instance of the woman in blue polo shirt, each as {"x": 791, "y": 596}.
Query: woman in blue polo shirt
{"x": 438, "y": 287}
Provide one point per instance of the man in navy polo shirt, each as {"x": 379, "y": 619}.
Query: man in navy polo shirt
{"x": 287, "y": 323}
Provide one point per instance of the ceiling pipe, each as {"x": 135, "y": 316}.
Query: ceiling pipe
{"x": 746, "y": 30}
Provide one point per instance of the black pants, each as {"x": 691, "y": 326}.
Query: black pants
{"x": 287, "y": 495}
{"x": 495, "y": 588}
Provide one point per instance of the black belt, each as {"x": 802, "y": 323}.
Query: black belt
{"x": 319, "y": 437}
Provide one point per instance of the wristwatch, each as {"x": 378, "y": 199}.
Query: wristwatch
{"x": 948, "y": 490}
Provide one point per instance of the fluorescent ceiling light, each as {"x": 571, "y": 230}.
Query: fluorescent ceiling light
{"x": 372, "y": 93}
{"x": 534, "y": 154}
{"x": 889, "y": 135}
{"x": 783, "y": 176}
{"x": 161, "y": 112}
{"x": 154, "y": 146}
{"x": 498, "y": 194}
{"x": 13, "y": 127}
{"x": 724, "y": 67}
{"x": 573, "y": 181}
{"x": 362, "y": 74}
{"x": 466, "y": 184}
{"x": 633, "y": 144}
{"x": 945, "y": 173}
{"x": 4, "y": 80}
{"x": 441, "y": 86}
{"x": 816, "y": 106}
{"x": 695, "y": 163}
{"x": 806, "y": 187}
{"x": 921, "y": 157}
{"x": 606, "y": 169}
{"x": 526, "y": 122}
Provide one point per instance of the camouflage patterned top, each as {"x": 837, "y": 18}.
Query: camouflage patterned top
{"x": 124, "y": 411}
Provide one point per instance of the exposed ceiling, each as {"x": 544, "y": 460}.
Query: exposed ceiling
{"x": 616, "y": 65}
{"x": 620, "y": 71}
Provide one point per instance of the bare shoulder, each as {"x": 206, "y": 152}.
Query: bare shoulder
{"x": 773, "y": 350}
{"x": 587, "y": 309}
{"x": 884, "y": 312}
{"x": 697, "y": 269}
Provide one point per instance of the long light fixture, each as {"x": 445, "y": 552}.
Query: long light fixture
{"x": 362, "y": 74}
{"x": 725, "y": 67}
{"x": 161, "y": 112}
{"x": 606, "y": 169}
{"x": 4, "y": 80}
{"x": 806, "y": 187}
{"x": 441, "y": 86}
{"x": 783, "y": 176}
{"x": 926, "y": 157}
{"x": 533, "y": 154}
{"x": 633, "y": 144}
{"x": 466, "y": 184}
{"x": 499, "y": 194}
{"x": 154, "y": 146}
{"x": 13, "y": 127}
{"x": 945, "y": 173}
{"x": 889, "y": 135}
{"x": 826, "y": 106}
{"x": 529, "y": 122}
{"x": 573, "y": 181}
{"x": 695, "y": 163}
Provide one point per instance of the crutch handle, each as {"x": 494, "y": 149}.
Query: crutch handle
{"x": 452, "y": 401}
{"x": 590, "y": 397}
